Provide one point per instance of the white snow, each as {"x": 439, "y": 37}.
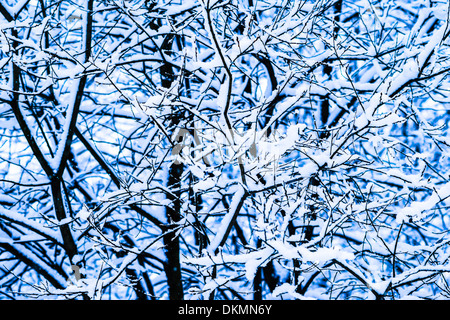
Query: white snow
{"x": 417, "y": 209}
{"x": 225, "y": 223}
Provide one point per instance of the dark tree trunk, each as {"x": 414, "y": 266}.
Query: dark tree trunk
{"x": 172, "y": 266}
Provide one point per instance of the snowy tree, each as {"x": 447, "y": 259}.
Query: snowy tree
{"x": 236, "y": 149}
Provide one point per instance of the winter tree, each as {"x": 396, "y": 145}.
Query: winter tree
{"x": 240, "y": 149}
